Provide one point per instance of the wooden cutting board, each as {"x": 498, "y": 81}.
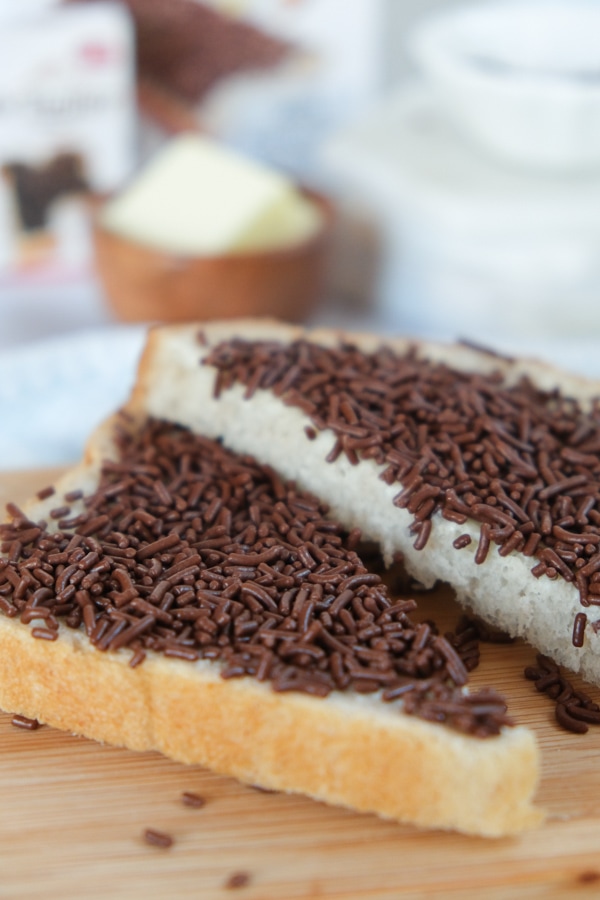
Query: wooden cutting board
{"x": 72, "y": 816}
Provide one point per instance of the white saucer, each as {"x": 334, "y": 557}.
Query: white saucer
{"x": 54, "y": 392}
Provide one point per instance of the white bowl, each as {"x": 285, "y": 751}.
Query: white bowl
{"x": 520, "y": 77}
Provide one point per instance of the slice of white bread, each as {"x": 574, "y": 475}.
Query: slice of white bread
{"x": 348, "y": 748}
{"x": 502, "y": 591}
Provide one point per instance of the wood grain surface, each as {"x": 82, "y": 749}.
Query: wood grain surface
{"x": 73, "y": 814}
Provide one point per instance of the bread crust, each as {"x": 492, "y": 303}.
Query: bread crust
{"x": 342, "y": 750}
{"x": 346, "y": 749}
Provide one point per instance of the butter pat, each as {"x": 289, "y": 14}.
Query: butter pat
{"x": 198, "y": 198}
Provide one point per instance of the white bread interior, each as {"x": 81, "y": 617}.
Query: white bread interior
{"x": 347, "y": 749}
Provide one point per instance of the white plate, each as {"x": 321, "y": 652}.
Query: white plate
{"x": 54, "y": 392}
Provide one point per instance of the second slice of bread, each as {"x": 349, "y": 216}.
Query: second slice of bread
{"x": 174, "y": 384}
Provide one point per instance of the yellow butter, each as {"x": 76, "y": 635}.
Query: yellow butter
{"x": 199, "y": 198}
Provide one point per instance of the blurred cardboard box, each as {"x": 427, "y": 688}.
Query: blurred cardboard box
{"x": 269, "y": 77}
{"x": 67, "y": 130}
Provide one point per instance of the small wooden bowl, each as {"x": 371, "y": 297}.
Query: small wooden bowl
{"x": 143, "y": 284}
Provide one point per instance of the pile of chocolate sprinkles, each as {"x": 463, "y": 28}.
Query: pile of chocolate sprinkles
{"x": 465, "y": 640}
{"x": 192, "y": 551}
{"x": 522, "y": 462}
{"x": 574, "y": 710}
{"x": 468, "y": 633}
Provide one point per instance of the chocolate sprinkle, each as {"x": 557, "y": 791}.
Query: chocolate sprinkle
{"x": 237, "y": 880}
{"x": 192, "y": 551}
{"x": 522, "y": 462}
{"x": 158, "y": 838}
{"x": 25, "y": 723}
{"x": 194, "y": 800}
{"x": 589, "y": 876}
